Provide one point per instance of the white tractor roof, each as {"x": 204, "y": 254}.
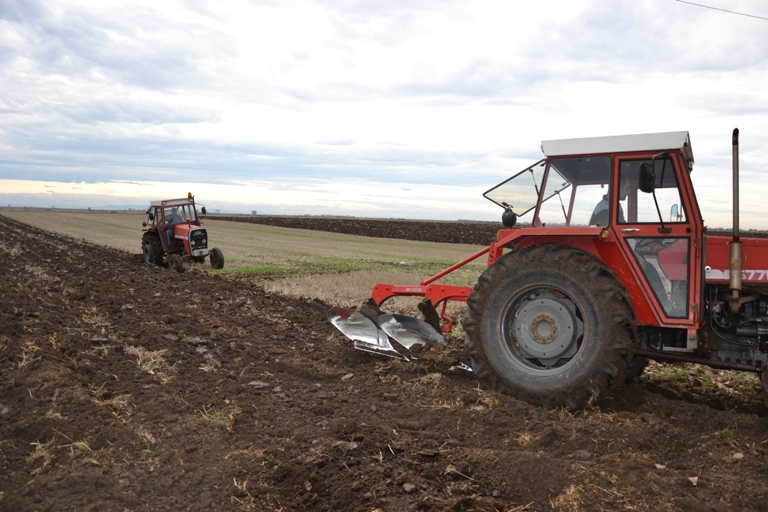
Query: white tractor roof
{"x": 173, "y": 202}
{"x": 620, "y": 144}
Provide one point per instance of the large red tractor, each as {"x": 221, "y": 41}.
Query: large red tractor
{"x": 614, "y": 269}
{"x": 173, "y": 232}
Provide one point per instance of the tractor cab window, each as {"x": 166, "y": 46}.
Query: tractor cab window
{"x": 154, "y": 217}
{"x": 573, "y": 187}
{"x": 172, "y": 215}
{"x": 640, "y": 208}
{"x": 520, "y": 192}
{"x": 187, "y": 212}
{"x": 179, "y": 214}
{"x": 664, "y": 263}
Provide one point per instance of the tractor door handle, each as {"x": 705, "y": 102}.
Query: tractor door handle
{"x": 630, "y": 230}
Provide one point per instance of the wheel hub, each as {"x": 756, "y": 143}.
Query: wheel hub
{"x": 544, "y": 328}
{"x": 547, "y": 328}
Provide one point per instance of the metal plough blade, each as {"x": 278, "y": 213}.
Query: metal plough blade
{"x": 408, "y": 331}
{"x": 362, "y": 331}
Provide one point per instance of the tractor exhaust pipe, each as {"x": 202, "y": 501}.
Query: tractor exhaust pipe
{"x": 735, "y": 270}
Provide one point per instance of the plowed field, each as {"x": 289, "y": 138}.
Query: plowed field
{"x": 125, "y": 386}
{"x": 477, "y": 233}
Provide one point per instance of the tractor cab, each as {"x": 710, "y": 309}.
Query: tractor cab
{"x": 173, "y": 232}
{"x": 629, "y": 201}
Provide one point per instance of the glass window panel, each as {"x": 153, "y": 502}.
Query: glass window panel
{"x": 521, "y": 191}
{"x": 664, "y": 263}
{"x": 578, "y": 180}
{"x": 667, "y": 193}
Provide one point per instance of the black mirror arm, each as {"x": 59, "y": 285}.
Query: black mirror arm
{"x": 662, "y": 229}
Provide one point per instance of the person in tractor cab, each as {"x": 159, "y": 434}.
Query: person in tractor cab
{"x": 600, "y": 214}
{"x": 174, "y": 216}
{"x": 170, "y": 220}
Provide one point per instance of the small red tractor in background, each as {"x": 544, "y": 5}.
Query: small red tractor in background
{"x": 173, "y": 232}
{"x": 615, "y": 268}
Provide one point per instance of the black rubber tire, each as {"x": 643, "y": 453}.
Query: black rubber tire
{"x": 636, "y": 368}
{"x": 217, "y": 258}
{"x": 176, "y": 263}
{"x": 151, "y": 248}
{"x": 541, "y": 285}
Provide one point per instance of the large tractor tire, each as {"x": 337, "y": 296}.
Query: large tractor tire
{"x": 151, "y": 248}
{"x": 217, "y": 258}
{"x": 551, "y": 325}
{"x": 636, "y": 368}
{"x": 176, "y": 263}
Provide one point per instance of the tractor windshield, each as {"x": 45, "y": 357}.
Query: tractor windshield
{"x": 520, "y": 192}
{"x": 569, "y": 187}
{"x": 179, "y": 214}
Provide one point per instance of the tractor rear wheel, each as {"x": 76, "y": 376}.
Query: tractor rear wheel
{"x": 550, "y": 325}
{"x": 636, "y": 368}
{"x": 217, "y": 258}
{"x": 151, "y": 248}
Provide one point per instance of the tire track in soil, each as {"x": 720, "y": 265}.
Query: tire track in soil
{"x": 261, "y": 405}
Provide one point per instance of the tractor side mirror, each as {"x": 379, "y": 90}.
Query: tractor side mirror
{"x": 151, "y": 217}
{"x": 647, "y": 178}
{"x": 203, "y": 210}
{"x": 675, "y": 215}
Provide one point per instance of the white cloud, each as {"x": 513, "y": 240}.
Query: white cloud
{"x": 416, "y": 94}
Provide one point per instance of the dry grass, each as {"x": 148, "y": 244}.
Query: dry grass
{"x": 113, "y": 229}
{"x": 54, "y": 414}
{"x": 248, "y": 244}
{"x": 146, "y": 436}
{"x": 225, "y": 418}
{"x": 14, "y": 250}
{"x": 152, "y": 362}
{"x": 28, "y": 355}
{"x": 339, "y": 269}
{"x": 42, "y": 451}
{"x": 571, "y": 499}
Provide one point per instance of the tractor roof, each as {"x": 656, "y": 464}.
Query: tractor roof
{"x": 174, "y": 202}
{"x": 620, "y": 144}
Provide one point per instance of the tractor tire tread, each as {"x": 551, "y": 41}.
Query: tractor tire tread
{"x": 152, "y": 239}
{"x": 613, "y": 309}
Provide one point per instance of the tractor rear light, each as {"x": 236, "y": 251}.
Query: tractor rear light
{"x": 605, "y": 234}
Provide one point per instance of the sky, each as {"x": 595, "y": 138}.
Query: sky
{"x": 405, "y": 109}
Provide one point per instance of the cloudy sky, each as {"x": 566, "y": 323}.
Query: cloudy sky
{"x": 372, "y": 108}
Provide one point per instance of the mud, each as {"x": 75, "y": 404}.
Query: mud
{"x": 125, "y": 386}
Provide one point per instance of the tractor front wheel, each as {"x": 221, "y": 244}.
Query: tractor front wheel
{"x": 151, "y": 248}
{"x": 550, "y": 325}
{"x": 217, "y": 258}
{"x": 176, "y": 263}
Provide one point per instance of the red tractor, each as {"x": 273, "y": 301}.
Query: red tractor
{"x": 173, "y": 232}
{"x": 614, "y": 269}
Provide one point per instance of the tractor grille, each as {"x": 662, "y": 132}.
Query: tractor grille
{"x": 198, "y": 239}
